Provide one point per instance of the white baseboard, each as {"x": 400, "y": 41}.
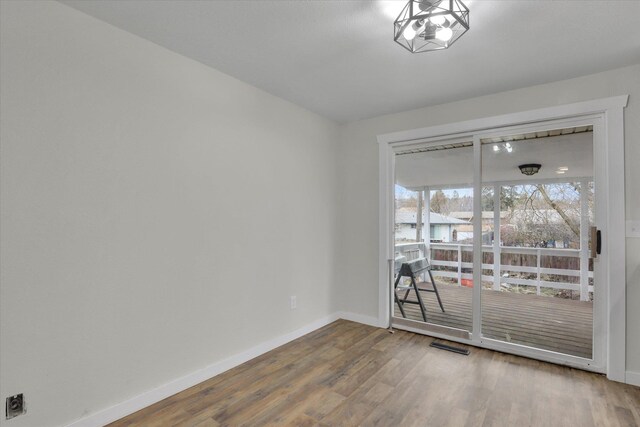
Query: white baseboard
{"x": 150, "y": 397}
{"x": 359, "y": 318}
{"x": 632, "y": 378}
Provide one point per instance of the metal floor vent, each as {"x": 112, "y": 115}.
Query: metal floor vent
{"x": 441, "y": 346}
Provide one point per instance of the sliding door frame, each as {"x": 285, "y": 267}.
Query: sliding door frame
{"x": 607, "y": 116}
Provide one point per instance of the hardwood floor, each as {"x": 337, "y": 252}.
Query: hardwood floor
{"x": 351, "y": 374}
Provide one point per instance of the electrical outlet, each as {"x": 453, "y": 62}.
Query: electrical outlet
{"x": 294, "y": 302}
{"x": 15, "y": 406}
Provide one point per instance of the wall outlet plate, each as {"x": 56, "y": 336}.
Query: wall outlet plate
{"x": 633, "y": 228}
{"x": 15, "y": 406}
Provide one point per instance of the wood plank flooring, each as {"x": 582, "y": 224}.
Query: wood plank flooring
{"x": 549, "y": 323}
{"x": 348, "y": 374}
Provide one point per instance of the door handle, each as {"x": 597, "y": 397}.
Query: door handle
{"x": 595, "y": 242}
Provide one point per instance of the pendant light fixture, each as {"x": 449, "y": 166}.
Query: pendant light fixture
{"x": 530, "y": 168}
{"x": 425, "y": 25}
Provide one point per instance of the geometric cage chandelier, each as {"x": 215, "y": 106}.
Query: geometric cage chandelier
{"x": 425, "y": 25}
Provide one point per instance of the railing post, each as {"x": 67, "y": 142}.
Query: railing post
{"x": 584, "y": 241}
{"x": 538, "y": 272}
{"x": 459, "y": 265}
{"x": 496, "y": 237}
{"x": 419, "y": 218}
{"x": 426, "y": 230}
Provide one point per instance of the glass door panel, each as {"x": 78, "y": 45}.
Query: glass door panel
{"x": 538, "y": 205}
{"x": 433, "y": 236}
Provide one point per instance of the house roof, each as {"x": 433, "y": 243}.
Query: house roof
{"x": 533, "y": 216}
{"x": 467, "y": 215}
{"x": 408, "y": 216}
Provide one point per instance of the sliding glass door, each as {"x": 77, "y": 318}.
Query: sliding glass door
{"x": 538, "y": 188}
{"x": 433, "y": 210}
{"x": 494, "y": 241}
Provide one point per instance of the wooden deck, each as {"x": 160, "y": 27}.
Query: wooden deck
{"x": 555, "y": 324}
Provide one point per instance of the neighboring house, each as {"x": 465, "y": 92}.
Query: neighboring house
{"x": 442, "y": 228}
{"x": 487, "y": 216}
{"x": 465, "y": 232}
{"x": 544, "y": 223}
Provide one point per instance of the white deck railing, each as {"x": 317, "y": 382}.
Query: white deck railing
{"x": 417, "y": 250}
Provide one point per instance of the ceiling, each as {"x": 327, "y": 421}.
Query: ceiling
{"x": 338, "y": 58}
{"x": 563, "y": 157}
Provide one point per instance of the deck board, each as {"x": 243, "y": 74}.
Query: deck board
{"x": 549, "y": 323}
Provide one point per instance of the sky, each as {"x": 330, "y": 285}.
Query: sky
{"x": 403, "y": 193}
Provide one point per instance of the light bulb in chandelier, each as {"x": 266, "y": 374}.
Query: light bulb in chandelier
{"x": 438, "y": 19}
{"x": 425, "y": 5}
{"x": 444, "y": 34}
{"x": 413, "y": 29}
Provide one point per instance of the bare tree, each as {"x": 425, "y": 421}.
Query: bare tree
{"x": 439, "y": 202}
{"x": 555, "y": 206}
{"x": 542, "y": 213}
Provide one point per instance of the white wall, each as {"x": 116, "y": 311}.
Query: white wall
{"x": 358, "y": 251}
{"x": 148, "y": 204}
{"x": 136, "y": 184}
